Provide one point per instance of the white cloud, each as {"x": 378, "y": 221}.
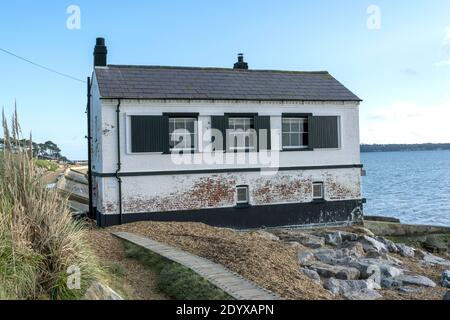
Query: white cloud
{"x": 443, "y": 64}
{"x": 445, "y": 50}
{"x": 406, "y": 122}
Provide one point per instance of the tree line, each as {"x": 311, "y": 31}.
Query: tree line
{"x": 404, "y": 147}
{"x": 47, "y": 150}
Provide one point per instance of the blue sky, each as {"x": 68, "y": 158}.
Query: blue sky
{"x": 401, "y": 70}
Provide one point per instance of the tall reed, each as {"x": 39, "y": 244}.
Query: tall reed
{"x": 39, "y": 241}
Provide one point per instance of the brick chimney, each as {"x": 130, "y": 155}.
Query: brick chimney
{"x": 241, "y": 64}
{"x": 100, "y": 53}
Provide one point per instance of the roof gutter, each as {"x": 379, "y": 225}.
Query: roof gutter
{"x": 119, "y": 161}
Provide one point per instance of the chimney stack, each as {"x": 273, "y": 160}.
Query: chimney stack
{"x": 241, "y": 65}
{"x": 100, "y": 53}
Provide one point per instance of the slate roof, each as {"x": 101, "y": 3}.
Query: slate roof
{"x": 157, "y": 82}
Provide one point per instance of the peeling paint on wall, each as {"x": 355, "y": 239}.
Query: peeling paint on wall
{"x": 193, "y": 192}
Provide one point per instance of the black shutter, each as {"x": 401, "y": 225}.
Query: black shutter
{"x": 324, "y": 132}
{"x": 263, "y": 123}
{"x": 149, "y": 134}
{"x": 220, "y": 123}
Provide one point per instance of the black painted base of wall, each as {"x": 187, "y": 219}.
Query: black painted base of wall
{"x": 294, "y": 214}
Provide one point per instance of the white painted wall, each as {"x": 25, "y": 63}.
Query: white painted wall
{"x": 198, "y": 191}
{"x": 348, "y": 153}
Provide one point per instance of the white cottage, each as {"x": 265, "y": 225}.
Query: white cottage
{"x": 228, "y": 147}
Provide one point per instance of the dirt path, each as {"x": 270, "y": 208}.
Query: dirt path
{"x": 136, "y": 280}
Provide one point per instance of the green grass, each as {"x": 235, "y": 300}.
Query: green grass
{"x": 176, "y": 281}
{"x": 441, "y": 240}
{"x": 46, "y": 165}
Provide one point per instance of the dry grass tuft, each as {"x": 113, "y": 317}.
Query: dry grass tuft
{"x": 38, "y": 239}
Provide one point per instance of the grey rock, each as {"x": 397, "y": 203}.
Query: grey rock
{"x": 390, "y": 245}
{"x": 434, "y": 260}
{"x": 394, "y": 260}
{"x": 447, "y": 296}
{"x": 352, "y": 249}
{"x": 267, "y": 235}
{"x": 445, "y": 279}
{"x": 391, "y": 272}
{"x": 405, "y": 251}
{"x": 367, "y": 266}
{"x": 333, "y": 239}
{"x": 370, "y": 244}
{"x": 327, "y": 255}
{"x": 99, "y": 291}
{"x": 389, "y": 283}
{"x": 415, "y": 280}
{"x": 365, "y": 294}
{"x": 338, "y": 272}
{"x": 408, "y": 290}
{"x": 312, "y": 241}
{"x": 345, "y": 287}
{"x": 305, "y": 257}
{"x": 293, "y": 244}
{"x": 313, "y": 275}
{"x": 348, "y": 236}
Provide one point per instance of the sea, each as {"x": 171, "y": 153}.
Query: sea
{"x": 413, "y": 186}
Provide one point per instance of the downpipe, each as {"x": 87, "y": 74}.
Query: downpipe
{"x": 119, "y": 161}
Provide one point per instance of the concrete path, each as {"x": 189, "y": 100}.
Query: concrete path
{"x": 232, "y": 283}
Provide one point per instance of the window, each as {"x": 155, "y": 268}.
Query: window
{"x": 295, "y": 133}
{"x": 241, "y": 134}
{"x": 318, "y": 191}
{"x": 182, "y": 134}
{"x": 242, "y": 195}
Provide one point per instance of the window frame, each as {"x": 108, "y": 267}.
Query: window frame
{"x": 322, "y": 188}
{"x": 247, "y": 195}
{"x": 296, "y": 116}
{"x": 192, "y": 134}
{"x": 232, "y": 133}
{"x": 128, "y": 130}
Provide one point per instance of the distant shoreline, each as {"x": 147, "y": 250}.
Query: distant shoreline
{"x": 404, "y": 147}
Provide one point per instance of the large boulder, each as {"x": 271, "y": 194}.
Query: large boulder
{"x": 333, "y": 239}
{"x": 100, "y": 291}
{"x": 349, "y": 236}
{"x": 370, "y": 244}
{"x": 405, "y": 251}
{"x": 390, "y": 245}
{"x": 445, "y": 279}
{"x": 305, "y": 257}
{"x": 311, "y": 241}
{"x": 313, "y": 275}
{"x": 415, "y": 280}
{"x": 327, "y": 255}
{"x": 352, "y": 249}
{"x": 338, "y": 272}
{"x": 347, "y": 287}
{"x": 367, "y": 267}
{"x": 307, "y": 239}
{"x": 428, "y": 258}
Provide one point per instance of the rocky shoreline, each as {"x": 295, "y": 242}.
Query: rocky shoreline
{"x": 355, "y": 264}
